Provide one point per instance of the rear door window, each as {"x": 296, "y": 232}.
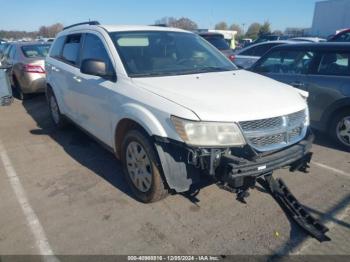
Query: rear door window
{"x": 286, "y": 62}
{"x": 71, "y": 49}
{"x": 335, "y": 63}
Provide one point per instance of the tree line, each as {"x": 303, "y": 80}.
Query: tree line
{"x": 43, "y": 31}
{"x": 254, "y": 30}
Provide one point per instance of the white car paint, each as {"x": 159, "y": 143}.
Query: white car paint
{"x": 99, "y": 105}
{"x": 227, "y": 96}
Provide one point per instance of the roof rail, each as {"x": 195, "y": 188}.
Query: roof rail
{"x": 161, "y": 25}
{"x": 83, "y": 23}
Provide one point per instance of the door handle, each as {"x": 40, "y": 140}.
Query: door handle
{"x": 297, "y": 84}
{"x": 77, "y": 79}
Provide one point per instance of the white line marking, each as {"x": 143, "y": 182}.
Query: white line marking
{"x": 33, "y": 222}
{"x": 339, "y": 172}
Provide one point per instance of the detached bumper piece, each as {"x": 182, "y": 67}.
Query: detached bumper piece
{"x": 240, "y": 174}
{"x": 292, "y": 206}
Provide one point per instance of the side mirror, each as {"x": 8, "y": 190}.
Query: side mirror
{"x": 96, "y": 68}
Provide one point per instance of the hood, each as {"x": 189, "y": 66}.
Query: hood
{"x": 227, "y": 96}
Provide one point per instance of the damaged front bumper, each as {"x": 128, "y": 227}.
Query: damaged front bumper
{"x": 296, "y": 157}
{"x": 183, "y": 166}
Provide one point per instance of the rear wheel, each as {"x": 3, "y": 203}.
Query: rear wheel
{"x": 56, "y": 116}
{"x": 17, "y": 90}
{"x": 340, "y": 129}
{"x": 141, "y": 167}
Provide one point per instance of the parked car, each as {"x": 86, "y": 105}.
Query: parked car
{"x": 219, "y": 42}
{"x": 267, "y": 38}
{"x": 321, "y": 69}
{"x": 173, "y": 108}
{"x": 308, "y": 39}
{"x": 5, "y": 88}
{"x": 27, "y": 62}
{"x": 246, "y": 57}
{"x": 3, "y": 48}
{"x": 342, "y": 36}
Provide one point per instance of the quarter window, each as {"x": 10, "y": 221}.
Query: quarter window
{"x": 57, "y": 47}
{"x": 71, "y": 49}
{"x": 334, "y": 64}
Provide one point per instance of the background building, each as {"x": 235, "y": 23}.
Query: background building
{"x": 330, "y": 16}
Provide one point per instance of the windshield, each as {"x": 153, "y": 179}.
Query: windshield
{"x": 32, "y": 51}
{"x": 157, "y": 53}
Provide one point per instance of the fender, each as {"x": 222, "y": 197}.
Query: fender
{"x": 142, "y": 116}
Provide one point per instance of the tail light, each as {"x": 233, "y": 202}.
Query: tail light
{"x": 34, "y": 69}
{"x": 232, "y": 57}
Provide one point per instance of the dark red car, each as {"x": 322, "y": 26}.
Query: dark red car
{"x": 343, "y": 36}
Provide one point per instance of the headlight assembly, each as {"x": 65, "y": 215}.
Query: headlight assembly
{"x": 209, "y": 134}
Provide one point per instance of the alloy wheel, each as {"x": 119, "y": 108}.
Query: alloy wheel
{"x": 343, "y": 130}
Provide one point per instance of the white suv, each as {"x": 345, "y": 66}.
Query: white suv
{"x": 173, "y": 108}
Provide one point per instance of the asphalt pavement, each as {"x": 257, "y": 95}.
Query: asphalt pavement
{"x": 62, "y": 193}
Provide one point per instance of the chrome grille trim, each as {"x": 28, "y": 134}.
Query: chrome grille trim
{"x": 276, "y": 132}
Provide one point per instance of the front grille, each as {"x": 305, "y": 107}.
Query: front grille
{"x": 276, "y": 132}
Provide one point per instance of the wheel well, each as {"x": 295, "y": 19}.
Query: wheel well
{"x": 123, "y": 127}
{"x": 336, "y": 112}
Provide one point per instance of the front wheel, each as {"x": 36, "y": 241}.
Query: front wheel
{"x": 141, "y": 167}
{"x": 340, "y": 129}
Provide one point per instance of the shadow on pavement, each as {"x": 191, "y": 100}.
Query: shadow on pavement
{"x": 324, "y": 140}
{"x": 77, "y": 144}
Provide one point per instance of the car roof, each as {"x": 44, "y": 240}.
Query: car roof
{"x": 124, "y": 28}
{"x": 281, "y": 42}
{"x": 316, "y": 46}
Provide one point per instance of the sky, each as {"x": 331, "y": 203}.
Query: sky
{"x": 30, "y": 15}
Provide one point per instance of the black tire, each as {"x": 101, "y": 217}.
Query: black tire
{"x": 157, "y": 189}
{"x": 17, "y": 90}
{"x": 337, "y": 125}
{"x": 58, "y": 119}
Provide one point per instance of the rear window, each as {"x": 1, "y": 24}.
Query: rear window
{"x": 33, "y": 51}
{"x": 218, "y": 42}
